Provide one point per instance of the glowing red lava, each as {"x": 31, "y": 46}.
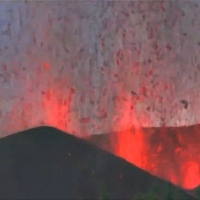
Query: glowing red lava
{"x": 192, "y": 176}
{"x": 131, "y": 144}
{"x": 169, "y": 153}
{"x": 165, "y": 160}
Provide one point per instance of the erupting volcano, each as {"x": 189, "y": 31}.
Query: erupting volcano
{"x": 130, "y": 69}
{"x": 168, "y": 152}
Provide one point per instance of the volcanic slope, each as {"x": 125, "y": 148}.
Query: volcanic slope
{"x": 46, "y": 163}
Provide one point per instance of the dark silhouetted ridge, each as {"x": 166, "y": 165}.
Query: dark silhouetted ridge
{"x": 45, "y": 163}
